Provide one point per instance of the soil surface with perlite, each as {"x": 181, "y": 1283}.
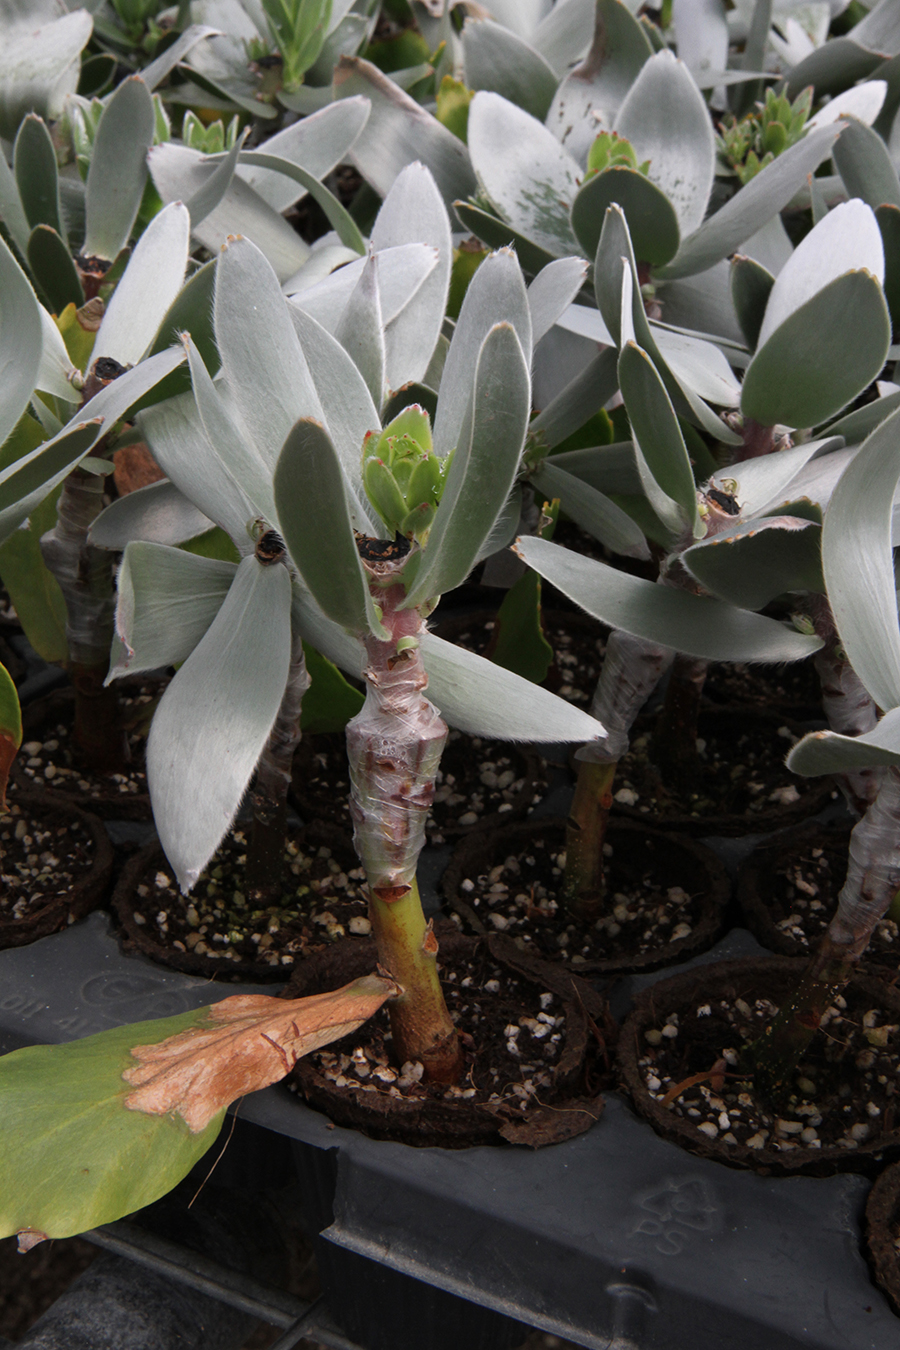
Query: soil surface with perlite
{"x": 788, "y": 890}
{"x": 537, "y": 1043}
{"x": 680, "y": 1054}
{"x": 216, "y": 930}
{"x": 665, "y": 896}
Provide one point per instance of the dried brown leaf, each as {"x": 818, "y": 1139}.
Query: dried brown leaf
{"x": 246, "y": 1042}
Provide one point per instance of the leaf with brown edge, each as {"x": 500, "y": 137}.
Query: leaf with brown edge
{"x": 247, "y": 1042}
{"x": 10, "y": 729}
{"x": 74, "y": 1156}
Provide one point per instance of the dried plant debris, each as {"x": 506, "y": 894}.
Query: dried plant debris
{"x": 477, "y": 779}
{"x": 324, "y": 899}
{"x": 511, "y": 1030}
{"x": 844, "y": 1094}
{"x": 520, "y": 897}
{"x": 740, "y": 771}
{"x": 40, "y": 862}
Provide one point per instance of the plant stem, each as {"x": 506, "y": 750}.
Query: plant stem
{"x": 268, "y": 799}
{"x": 673, "y": 746}
{"x": 848, "y": 706}
{"x": 631, "y": 671}
{"x": 757, "y": 440}
{"x": 85, "y": 577}
{"x": 585, "y": 832}
{"x": 394, "y": 747}
{"x": 873, "y": 881}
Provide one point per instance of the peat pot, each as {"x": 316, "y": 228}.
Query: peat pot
{"x": 615, "y": 1235}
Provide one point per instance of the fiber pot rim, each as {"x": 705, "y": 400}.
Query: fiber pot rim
{"x": 701, "y": 937}
{"x": 86, "y": 894}
{"x": 674, "y": 995}
{"x": 460, "y": 1123}
{"x": 883, "y": 1209}
{"x": 754, "y": 882}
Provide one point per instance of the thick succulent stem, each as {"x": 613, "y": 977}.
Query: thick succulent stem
{"x": 268, "y": 799}
{"x": 394, "y": 747}
{"x": 631, "y": 671}
{"x": 673, "y": 746}
{"x": 85, "y": 576}
{"x": 757, "y": 440}
{"x": 873, "y": 881}
{"x": 848, "y": 705}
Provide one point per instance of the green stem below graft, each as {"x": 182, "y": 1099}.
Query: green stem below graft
{"x": 585, "y": 834}
{"x": 421, "y": 1026}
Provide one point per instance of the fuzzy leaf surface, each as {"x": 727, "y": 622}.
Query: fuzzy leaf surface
{"x": 166, "y": 601}
{"x": 857, "y": 559}
{"x": 527, "y": 175}
{"x": 413, "y": 212}
{"x": 39, "y": 66}
{"x": 37, "y": 177}
{"x": 496, "y": 295}
{"x": 178, "y": 172}
{"x": 157, "y": 513}
{"x": 848, "y": 239}
{"x": 21, "y": 341}
{"x": 589, "y": 96}
{"x": 652, "y": 221}
{"x": 552, "y": 291}
{"x": 484, "y": 466}
{"x": 810, "y": 367}
{"x": 758, "y": 560}
{"x": 316, "y": 526}
{"x": 592, "y": 511}
{"x": 118, "y": 169}
{"x": 750, "y": 208}
{"x": 822, "y": 752}
{"x": 666, "y": 119}
{"x": 482, "y": 699}
{"x": 148, "y": 288}
{"x": 214, "y": 719}
{"x": 693, "y": 624}
{"x": 400, "y": 131}
{"x": 498, "y": 60}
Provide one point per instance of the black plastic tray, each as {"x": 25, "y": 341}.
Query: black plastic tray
{"x": 615, "y": 1234}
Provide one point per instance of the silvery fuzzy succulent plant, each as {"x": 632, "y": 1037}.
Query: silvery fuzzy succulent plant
{"x": 246, "y": 192}
{"x": 62, "y": 445}
{"x": 281, "y": 442}
{"x": 858, "y": 565}
{"x": 262, "y": 56}
{"x": 40, "y": 52}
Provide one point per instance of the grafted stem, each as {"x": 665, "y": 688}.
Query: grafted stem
{"x": 873, "y": 881}
{"x": 394, "y": 747}
{"x": 631, "y": 671}
{"x": 673, "y": 745}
